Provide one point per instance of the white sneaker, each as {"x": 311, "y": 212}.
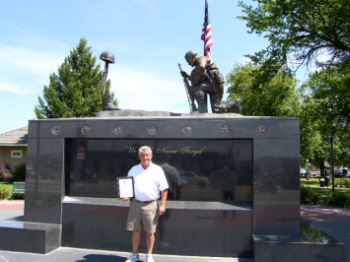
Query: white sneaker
{"x": 149, "y": 258}
{"x": 133, "y": 258}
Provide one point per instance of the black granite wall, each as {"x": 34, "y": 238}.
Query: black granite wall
{"x": 72, "y": 165}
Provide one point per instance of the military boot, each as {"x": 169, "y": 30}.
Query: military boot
{"x": 107, "y": 101}
{"x": 235, "y": 104}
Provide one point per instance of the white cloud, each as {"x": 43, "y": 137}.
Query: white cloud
{"x": 26, "y": 70}
{"x": 147, "y": 91}
{"x": 11, "y": 87}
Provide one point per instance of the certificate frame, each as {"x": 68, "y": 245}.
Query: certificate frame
{"x": 126, "y": 187}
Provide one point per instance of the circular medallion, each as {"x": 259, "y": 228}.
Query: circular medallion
{"x": 118, "y": 129}
{"x": 224, "y": 129}
{"x": 56, "y": 130}
{"x": 187, "y": 130}
{"x": 152, "y": 129}
{"x": 85, "y": 130}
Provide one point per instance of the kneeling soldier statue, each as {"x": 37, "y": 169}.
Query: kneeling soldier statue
{"x": 207, "y": 79}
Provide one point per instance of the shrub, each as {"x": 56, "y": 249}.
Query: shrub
{"x": 343, "y": 182}
{"x": 4, "y": 193}
{"x": 17, "y": 196}
{"x": 339, "y": 199}
{"x": 19, "y": 173}
{"x": 7, "y": 177}
{"x": 306, "y": 194}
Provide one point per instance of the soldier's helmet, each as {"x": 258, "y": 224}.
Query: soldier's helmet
{"x": 191, "y": 53}
{"x": 107, "y": 57}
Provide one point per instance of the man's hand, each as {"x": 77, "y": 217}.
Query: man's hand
{"x": 124, "y": 199}
{"x": 161, "y": 210}
{"x": 184, "y": 74}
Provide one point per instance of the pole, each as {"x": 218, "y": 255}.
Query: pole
{"x": 104, "y": 80}
{"x": 332, "y": 159}
{"x": 332, "y": 155}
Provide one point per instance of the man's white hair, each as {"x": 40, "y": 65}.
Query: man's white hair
{"x": 145, "y": 149}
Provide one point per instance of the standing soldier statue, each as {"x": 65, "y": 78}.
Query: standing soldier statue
{"x": 107, "y": 100}
{"x": 207, "y": 79}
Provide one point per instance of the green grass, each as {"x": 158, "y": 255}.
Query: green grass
{"x": 5, "y": 190}
{"x": 312, "y": 193}
{"x": 8, "y": 186}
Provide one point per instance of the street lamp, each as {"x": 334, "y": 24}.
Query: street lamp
{"x": 332, "y": 156}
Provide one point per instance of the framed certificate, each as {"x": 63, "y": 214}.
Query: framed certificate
{"x": 126, "y": 187}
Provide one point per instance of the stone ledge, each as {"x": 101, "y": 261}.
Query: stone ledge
{"x": 203, "y": 205}
{"x": 21, "y": 236}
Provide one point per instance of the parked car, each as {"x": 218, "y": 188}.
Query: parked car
{"x": 340, "y": 173}
{"x": 190, "y": 178}
{"x": 315, "y": 173}
{"x": 303, "y": 172}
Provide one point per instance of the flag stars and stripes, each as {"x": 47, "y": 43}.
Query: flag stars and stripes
{"x": 206, "y": 32}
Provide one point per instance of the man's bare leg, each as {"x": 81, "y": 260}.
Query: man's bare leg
{"x": 135, "y": 241}
{"x": 149, "y": 242}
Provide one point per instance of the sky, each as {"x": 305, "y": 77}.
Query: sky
{"x": 148, "y": 39}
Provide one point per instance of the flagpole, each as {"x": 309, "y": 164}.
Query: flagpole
{"x": 205, "y": 31}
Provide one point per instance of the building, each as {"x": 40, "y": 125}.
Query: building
{"x": 13, "y": 148}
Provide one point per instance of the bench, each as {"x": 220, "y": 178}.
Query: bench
{"x": 18, "y": 188}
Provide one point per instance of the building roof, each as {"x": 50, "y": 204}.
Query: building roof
{"x": 16, "y": 137}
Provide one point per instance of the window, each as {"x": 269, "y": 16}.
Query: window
{"x": 16, "y": 153}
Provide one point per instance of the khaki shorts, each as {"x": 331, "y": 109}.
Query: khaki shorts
{"x": 142, "y": 216}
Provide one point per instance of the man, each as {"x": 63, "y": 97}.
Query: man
{"x": 207, "y": 79}
{"x": 149, "y": 184}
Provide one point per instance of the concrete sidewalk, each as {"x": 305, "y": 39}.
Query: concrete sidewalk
{"x": 334, "y": 221}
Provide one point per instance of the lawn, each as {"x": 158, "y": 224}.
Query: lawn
{"x": 5, "y": 190}
{"x": 312, "y": 193}
{"x": 8, "y": 186}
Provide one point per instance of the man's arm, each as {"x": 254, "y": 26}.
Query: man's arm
{"x": 162, "y": 206}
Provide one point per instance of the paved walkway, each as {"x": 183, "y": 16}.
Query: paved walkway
{"x": 334, "y": 221}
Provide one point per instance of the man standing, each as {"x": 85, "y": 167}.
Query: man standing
{"x": 207, "y": 79}
{"x": 149, "y": 184}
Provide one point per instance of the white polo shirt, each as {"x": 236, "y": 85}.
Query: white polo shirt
{"x": 148, "y": 183}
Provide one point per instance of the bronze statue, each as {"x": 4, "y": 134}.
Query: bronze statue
{"x": 107, "y": 100}
{"x": 207, "y": 79}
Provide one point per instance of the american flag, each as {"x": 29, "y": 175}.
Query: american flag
{"x": 206, "y": 32}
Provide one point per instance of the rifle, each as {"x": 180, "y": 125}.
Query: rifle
{"x": 190, "y": 97}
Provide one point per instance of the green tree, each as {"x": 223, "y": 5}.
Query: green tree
{"x": 307, "y": 32}
{"x": 275, "y": 98}
{"x": 299, "y": 31}
{"x": 313, "y": 148}
{"x": 329, "y": 89}
{"x": 279, "y": 97}
{"x": 76, "y": 91}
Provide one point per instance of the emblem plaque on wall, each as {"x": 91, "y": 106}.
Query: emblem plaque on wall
{"x": 118, "y": 129}
{"x": 152, "y": 129}
{"x": 56, "y": 130}
{"x": 85, "y": 130}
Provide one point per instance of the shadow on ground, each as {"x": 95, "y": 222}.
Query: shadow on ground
{"x": 102, "y": 258}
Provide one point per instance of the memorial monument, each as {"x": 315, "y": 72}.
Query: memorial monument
{"x": 234, "y": 185}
